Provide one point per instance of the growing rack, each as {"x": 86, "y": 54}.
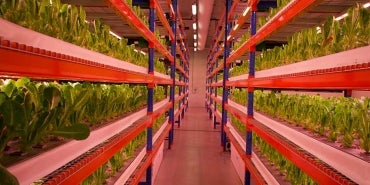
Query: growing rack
{"x": 313, "y": 74}
{"x": 53, "y": 59}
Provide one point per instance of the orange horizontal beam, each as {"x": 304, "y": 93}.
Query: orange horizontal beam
{"x": 257, "y": 177}
{"x": 354, "y": 77}
{"x": 163, "y": 19}
{"x": 20, "y": 60}
{"x": 280, "y": 19}
{"x": 148, "y": 158}
{"x": 125, "y": 12}
{"x": 243, "y": 18}
{"x": 303, "y": 160}
{"x": 81, "y": 169}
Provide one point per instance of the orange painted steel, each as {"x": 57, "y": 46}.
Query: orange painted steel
{"x": 19, "y": 60}
{"x": 125, "y": 12}
{"x": 355, "y": 77}
{"x": 81, "y": 169}
{"x": 279, "y": 20}
{"x": 162, "y": 18}
{"x": 257, "y": 177}
{"x": 314, "y": 167}
{"x": 346, "y": 77}
{"x": 147, "y": 160}
{"x": 242, "y": 19}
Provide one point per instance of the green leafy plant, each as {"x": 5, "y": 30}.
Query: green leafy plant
{"x": 292, "y": 173}
{"x": 330, "y": 117}
{"x": 68, "y": 23}
{"x": 332, "y": 37}
{"x": 6, "y": 177}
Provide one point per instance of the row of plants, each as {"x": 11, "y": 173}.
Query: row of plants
{"x": 332, "y": 37}
{"x": 141, "y": 15}
{"x": 280, "y": 4}
{"x": 241, "y": 40}
{"x": 341, "y": 119}
{"x": 240, "y": 69}
{"x": 119, "y": 161}
{"x": 32, "y": 112}
{"x": 261, "y": 21}
{"x": 69, "y": 23}
{"x": 286, "y": 168}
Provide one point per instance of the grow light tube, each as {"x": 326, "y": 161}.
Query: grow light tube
{"x": 194, "y": 9}
{"x": 341, "y": 17}
{"x": 236, "y": 27}
{"x": 246, "y": 11}
{"x": 229, "y": 37}
{"x": 366, "y": 5}
{"x": 114, "y": 34}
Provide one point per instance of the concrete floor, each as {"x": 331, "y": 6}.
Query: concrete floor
{"x": 196, "y": 157}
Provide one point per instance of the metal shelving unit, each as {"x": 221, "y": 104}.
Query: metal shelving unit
{"x": 45, "y": 60}
{"x": 312, "y": 74}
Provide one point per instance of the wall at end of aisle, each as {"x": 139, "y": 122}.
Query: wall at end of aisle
{"x": 197, "y": 84}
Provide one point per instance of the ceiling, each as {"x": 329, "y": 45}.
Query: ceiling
{"x": 313, "y": 16}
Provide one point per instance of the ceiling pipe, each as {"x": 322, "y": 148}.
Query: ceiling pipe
{"x": 205, "y": 8}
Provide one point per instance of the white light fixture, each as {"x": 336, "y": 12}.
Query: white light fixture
{"x": 195, "y": 44}
{"x": 194, "y": 9}
{"x": 366, "y": 5}
{"x": 195, "y": 36}
{"x": 236, "y": 26}
{"x": 114, "y": 34}
{"x": 172, "y": 10}
{"x": 194, "y": 26}
{"x": 246, "y": 11}
{"x": 341, "y": 17}
{"x": 195, "y": 49}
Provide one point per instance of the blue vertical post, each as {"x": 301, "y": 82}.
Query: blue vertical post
{"x": 226, "y": 74}
{"x": 215, "y": 107}
{"x": 173, "y": 69}
{"x": 149, "y": 140}
{"x": 210, "y": 94}
{"x": 179, "y": 104}
{"x": 208, "y": 88}
{"x": 183, "y": 64}
{"x": 252, "y": 59}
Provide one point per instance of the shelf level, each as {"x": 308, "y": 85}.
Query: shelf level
{"x": 289, "y": 12}
{"x": 345, "y": 70}
{"x": 87, "y": 163}
{"x": 41, "y": 164}
{"x": 28, "y": 53}
{"x": 305, "y": 161}
{"x": 345, "y": 163}
{"x": 125, "y": 12}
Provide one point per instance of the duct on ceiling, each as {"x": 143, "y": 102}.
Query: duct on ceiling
{"x": 205, "y": 8}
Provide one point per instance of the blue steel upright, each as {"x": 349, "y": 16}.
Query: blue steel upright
{"x": 173, "y": 69}
{"x": 252, "y": 59}
{"x": 215, "y": 107}
{"x": 149, "y": 136}
{"x": 226, "y": 74}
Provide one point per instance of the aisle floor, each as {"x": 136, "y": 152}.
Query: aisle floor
{"x": 196, "y": 157}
